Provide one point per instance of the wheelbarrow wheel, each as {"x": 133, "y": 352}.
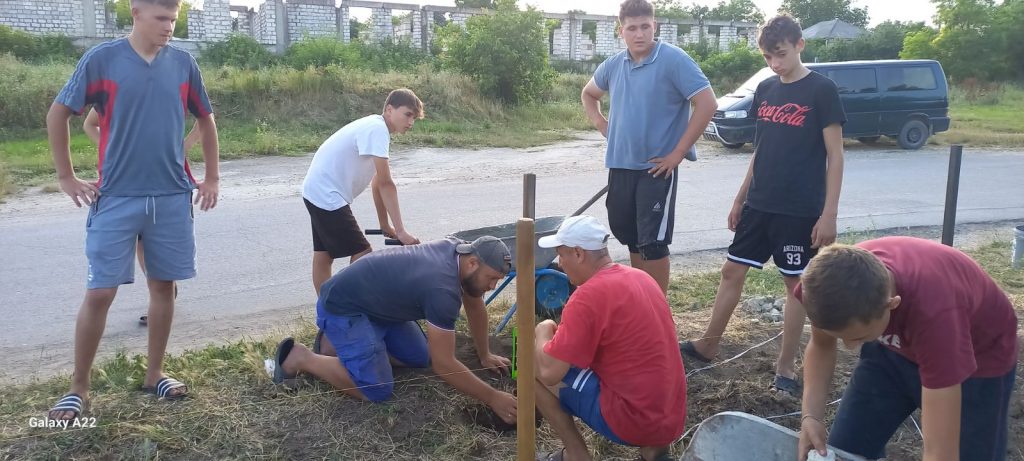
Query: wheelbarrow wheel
{"x": 554, "y": 265}
{"x": 552, "y": 292}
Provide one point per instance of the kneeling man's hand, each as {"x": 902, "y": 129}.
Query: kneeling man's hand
{"x": 496, "y": 363}
{"x": 504, "y": 405}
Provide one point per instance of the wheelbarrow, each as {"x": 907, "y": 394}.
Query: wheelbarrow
{"x": 736, "y": 436}
{"x": 552, "y": 285}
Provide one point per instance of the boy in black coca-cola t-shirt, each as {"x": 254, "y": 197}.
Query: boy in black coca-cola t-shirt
{"x": 787, "y": 206}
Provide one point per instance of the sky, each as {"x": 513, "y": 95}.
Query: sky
{"x": 878, "y": 10}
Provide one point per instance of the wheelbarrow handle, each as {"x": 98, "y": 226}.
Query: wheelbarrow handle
{"x": 590, "y": 202}
{"x": 373, "y": 232}
{"x": 393, "y": 242}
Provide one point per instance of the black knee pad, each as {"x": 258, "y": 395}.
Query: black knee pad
{"x": 653, "y": 252}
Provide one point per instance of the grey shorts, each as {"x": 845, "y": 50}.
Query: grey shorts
{"x": 166, "y": 224}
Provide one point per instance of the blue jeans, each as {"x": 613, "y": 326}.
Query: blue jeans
{"x": 886, "y": 388}
{"x": 365, "y": 348}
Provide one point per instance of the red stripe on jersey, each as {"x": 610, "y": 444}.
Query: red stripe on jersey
{"x": 103, "y": 92}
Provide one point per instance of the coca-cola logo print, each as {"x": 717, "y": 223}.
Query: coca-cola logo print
{"x": 787, "y": 114}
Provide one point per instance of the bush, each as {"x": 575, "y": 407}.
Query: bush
{"x": 56, "y": 47}
{"x": 505, "y": 52}
{"x": 238, "y": 50}
{"x": 27, "y": 90}
{"x": 729, "y": 69}
{"x": 322, "y": 52}
{"x": 37, "y": 48}
{"x": 701, "y": 50}
{"x": 16, "y": 42}
{"x": 389, "y": 56}
{"x": 564, "y": 66}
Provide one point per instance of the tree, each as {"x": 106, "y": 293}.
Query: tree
{"x": 963, "y": 29}
{"x": 883, "y": 42}
{"x": 356, "y": 29}
{"x": 737, "y": 10}
{"x": 506, "y": 53}
{"x": 918, "y": 45}
{"x": 670, "y": 9}
{"x": 1008, "y": 36}
{"x": 475, "y": 3}
{"x": 181, "y": 25}
{"x": 964, "y": 14}
{"x": 122, "y": 12}
{"x": 811, "y": 12}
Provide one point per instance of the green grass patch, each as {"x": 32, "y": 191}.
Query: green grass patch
{"x": 978, "y": 125}
{"x": 986, "y": 115}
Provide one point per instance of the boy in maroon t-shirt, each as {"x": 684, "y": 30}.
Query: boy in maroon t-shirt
{"x": 613, "y": 361}
{"x": 936, "y": 333}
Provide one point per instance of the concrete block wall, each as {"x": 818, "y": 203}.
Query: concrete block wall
{"x": 576, "y": 45}
{"x": 562, "y": 40}
{"x": 105, "y": 21}
{"x": 344, "y": 24}
{"x": 727, "y": 37}
{"x": 311, "y": 18}
{"x": 43, "y": 16}
{"x": 693, "y": 36}
{"x": 416, "y": 17}
{"x": 246, "y": 21}
{"x": 667, "y": 33}
{"x": 216, "y": 19}
{"x": 607, "y": 43}
{"x": 196, "y": 27}
{"x": 382, "y": 27}
{"x": 265, "y": 23}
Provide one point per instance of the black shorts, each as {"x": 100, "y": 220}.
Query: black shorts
{"x": 642, "y": 211}
{"x": 336, "y": 232}
{"x": 760, "y": 235}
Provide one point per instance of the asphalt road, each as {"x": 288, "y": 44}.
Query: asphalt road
{"x": 254, "y": 248}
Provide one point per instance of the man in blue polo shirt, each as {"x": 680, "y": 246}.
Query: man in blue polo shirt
{"x": 650, "y": 131}
{"x": 368, "y": 311}
{"x": 141, "y": 89}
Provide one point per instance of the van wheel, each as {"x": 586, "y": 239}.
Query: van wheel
{"x": 869, "y": 139}
{"x": 733, "y": 146}
{"x": 913, "y": 135}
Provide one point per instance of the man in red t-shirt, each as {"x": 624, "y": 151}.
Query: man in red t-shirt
{"x": 613, "y": 361}
{"x": 936, "y": 333}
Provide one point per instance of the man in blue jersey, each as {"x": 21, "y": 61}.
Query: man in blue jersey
{"x": 141, "y": 89}
{"x": 368, "y": 314}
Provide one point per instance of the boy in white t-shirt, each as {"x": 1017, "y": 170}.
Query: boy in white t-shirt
{"x": 351, "y": 159}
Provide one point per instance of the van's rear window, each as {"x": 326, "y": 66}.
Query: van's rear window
{"x": 908, "y": 78}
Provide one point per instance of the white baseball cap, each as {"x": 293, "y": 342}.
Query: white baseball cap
{"x": 578, "y": 231}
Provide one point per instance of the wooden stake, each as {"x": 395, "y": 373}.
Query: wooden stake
{"x": 530, "y": 196}
{"x": 526, "y": 297}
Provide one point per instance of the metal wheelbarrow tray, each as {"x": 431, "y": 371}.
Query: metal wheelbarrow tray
{"x": 507, "y": 233}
